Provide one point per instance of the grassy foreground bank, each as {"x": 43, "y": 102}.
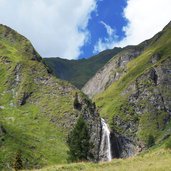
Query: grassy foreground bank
{"x": 156, "y": 160}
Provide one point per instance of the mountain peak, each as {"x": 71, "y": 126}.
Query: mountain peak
{"x": 8, "y": 33}
{"x": 14, "y": 42}
{"x": 167, "y": 26}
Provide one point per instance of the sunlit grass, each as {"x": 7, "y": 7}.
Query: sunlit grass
{"x": 157, "y": 160}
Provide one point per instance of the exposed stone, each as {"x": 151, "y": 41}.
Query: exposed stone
{"x": 5, "y": 59}
{"x": 123, "y": 147}
{"x": 24, "y": 98}
{"x": 150, "y": 93}
{"x": 156, "y": 58}
{"x": 111, "y": 72}
{"x": 154, "y": 76}
{"x": 2, "y": 130}
{"x": 2, "y": 107}
{"x": 17, "y": 73}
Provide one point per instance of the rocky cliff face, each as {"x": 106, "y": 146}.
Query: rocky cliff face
{"x": 133, "y": 92}
{"x": 150, "y": 102}
{"x": 115, "y": 68}
{"x": 37, "y": 110}
{"x": 111, "y": 72}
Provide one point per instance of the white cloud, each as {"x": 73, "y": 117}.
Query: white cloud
{"x": 109, "y": 29}
{"x": 55, "y": 27}
{"x": 146, "y": 18}
{"x": 107, "y": 42}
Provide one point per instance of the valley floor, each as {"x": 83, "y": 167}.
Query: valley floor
{"x": 156, "y": 160}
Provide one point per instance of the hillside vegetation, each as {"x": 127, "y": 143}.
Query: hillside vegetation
{"x": 78, "y": 72}
{"x": 36, "y": 108}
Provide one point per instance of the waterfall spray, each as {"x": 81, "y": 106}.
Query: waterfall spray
{"x": 105, "y": 147}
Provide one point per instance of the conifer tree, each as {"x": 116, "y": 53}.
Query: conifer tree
{"x": 78, "y": 141}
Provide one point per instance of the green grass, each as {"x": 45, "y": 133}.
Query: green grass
{"x": 156, "y": 160}
{"x": 40, "y": 142}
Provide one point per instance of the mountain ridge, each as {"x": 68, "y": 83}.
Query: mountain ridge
{"x": 78, "y": 72}
{"x": 127, "y": 51}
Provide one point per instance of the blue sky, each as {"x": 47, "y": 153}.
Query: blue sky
{"x": 75, "y": 29}
{"x": 111, "y": 13}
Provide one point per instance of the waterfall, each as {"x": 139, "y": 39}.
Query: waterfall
{"x": 105, "y": 146}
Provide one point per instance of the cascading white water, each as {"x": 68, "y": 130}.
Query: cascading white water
{"x": 105, "y": 147}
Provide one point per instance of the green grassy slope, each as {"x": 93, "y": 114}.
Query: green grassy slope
{"x": 154, "y": 160}
{"x": 115, "y": 101}
{"x": 78, "y": 72}
{"x": 36, "y": 109}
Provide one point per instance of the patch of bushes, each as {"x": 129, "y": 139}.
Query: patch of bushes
{"x": 150, "y": 141}
{"x": 168, "y": 144}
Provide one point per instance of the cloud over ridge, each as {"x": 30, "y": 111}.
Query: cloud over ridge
{"x": 145, "y": 18}
{"x": 60, "y": 27}
{"x": 55, "y": 27}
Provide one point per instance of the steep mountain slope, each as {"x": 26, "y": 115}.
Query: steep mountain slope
{"x": 36, "y": 109}
{"x": 78, "y": 72}
{"x": 133, "y": 90}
